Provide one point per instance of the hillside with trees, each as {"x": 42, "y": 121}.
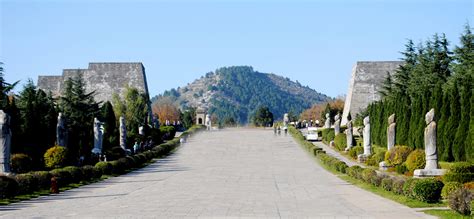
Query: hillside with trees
{"x": 235, "y": 93}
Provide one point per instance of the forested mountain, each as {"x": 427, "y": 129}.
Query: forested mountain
{"x": 236, "y": 92}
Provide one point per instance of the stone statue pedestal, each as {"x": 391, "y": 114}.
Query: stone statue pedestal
{"x": 383, "y": 166}
{"x": 428, "y": 173}
{"x": 362, "y": 158}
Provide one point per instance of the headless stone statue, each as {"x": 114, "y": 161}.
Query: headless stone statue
{"x": 123, "y": 133}
{"x": 327, "y": 124}
{"x": 5, "y": 142}
{"x": 61, "y": 131}
{"x": 391, "y": 132}
{"x": 367, "y": 145}
{"x": 337, "y": 124}
{"x": 349, "y": 135}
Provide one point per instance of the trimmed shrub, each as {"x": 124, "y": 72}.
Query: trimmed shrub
{"x": 401, "y": 169}
{"x": 125, "y": 163}
{"x": 368, "y": 174}
{"x": 376, "y": 158}
{"x": 461, "y": 172}
{"x": 427, "y": 190}
{"x": 397, "y": 155}
{"x": 354, "y": 151}
{"x": 63, "y": 177}
{"x": 340, "y": 141}
{"x": 355, "y": 172}
{"x": 21, "y": 163}
{"x": 387, "y": 183}
{"x": 8, "y": 187}
{"x": 96, "y": 173}
{"x": 460, "y": 201}
{"x": 104, "y": 167}
{"x": 117, "y": 167}
{"x": 168, "y": 132}
{"x": 415, "y": 160}
{"x": 87, "y": 172}
{"x": 408, "y": 187}
{"x": 328, "y": 134}
{"x": 397, "y": 186}
{"x": 43, "y": 179}
{"x": 316, "y": 150}
{"x": 55, "y": 157}
{"x": 26, "y": 183}
{"x": 450, "y": 187}
{"x": 75, "y": 172}
{"x": 131, "y": 162}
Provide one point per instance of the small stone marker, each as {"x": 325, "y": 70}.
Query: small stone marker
{"x": 363, "y": 157}
{"x": 61, "y": 131}
{"x": 123, "y": 133}
{"x": 337, "y": 124}
{"x": 5, "y": 142}
{"x": 349, "y": 135}
{"x": 431, "y": 153}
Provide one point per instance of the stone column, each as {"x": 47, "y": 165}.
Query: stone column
{"x": 123, "y": 133}
{"x": 391, "y": 132}
{"x": 337, "y": 124}
{"x": 61, "y": 131}
{"x": 327, "y": 124}
{"x": 5, "y": 142}
{"x": 349, "y": 135}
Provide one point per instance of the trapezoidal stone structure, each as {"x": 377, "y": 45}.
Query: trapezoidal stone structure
{"x": 365, "y": 84}
{"x": 104, "y": 78}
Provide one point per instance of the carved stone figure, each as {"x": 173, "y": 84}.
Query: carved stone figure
{"x": 123, "y": 133}
{"x": 98, "y": 136}
{"x": 391, "y": 132}
{"x": 286, "y": 120}
{"x": 367, "y": 145}
{"x": 5, "y": 142}
{"x": 349, "y": 135}
{"x": 327, "y": 124}
{"x": 337, "y": 124}
{"x": 61, "y": 131}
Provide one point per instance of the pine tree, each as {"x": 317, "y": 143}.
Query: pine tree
{"x": 110, "y": 126}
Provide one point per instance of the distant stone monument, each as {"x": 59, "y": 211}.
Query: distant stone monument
{"x": 98, "y": 137}
{"x": 327, "y": 124}
{"x": 363, "y": 157}
{"x": 123, "y": 133}
{"x": 286, "y": 120}
{"x": 5, "y": 142}
{"x": 208, "y": 122}
{"x": 200, "y": 116}
{"x": 337, "y": 124}
{"x": 349, "y": 135}
{"x": 391, "y": 132}
{"x": 61, "y": 131}
{"x": 141, "y": 130}
{"x": 431, "y": 153}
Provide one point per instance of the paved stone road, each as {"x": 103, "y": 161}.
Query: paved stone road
{"x": 234, "y": 173}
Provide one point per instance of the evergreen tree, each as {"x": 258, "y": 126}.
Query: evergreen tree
{"x": 110, "y": 127}
{"x": 5, "y": 89}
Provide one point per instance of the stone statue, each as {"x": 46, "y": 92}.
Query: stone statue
{"x": 391, "y": 132}
{"x": 98, "y": 136}
{"x": 327, "y": 124}
{"x": 286, "y": 120}
{"x": 367, "y": 136}
{"x": 208, "y": 122}
{"x": 5, "y": 142}
{"x": 61, "y": 131}
{"x": 141, "y": 130}
{"x": 337, "y": 124}
{"x": 431, "y": 154}
{"x": 123, "y": 133}
{"x": 349, "y": 135}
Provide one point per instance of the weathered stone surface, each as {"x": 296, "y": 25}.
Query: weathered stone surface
{"x": 103, "y": 78}
{"x": 123, "y": 133}
{"x": 430, "y": 142}
{"x": 391, "y": 132}
{"x": 208, "y": 122}
{"x": 367, "y": 145}
{"x": 365, "y": 84}
{"x": 349, "y": 135}
{"x": 428, "y": 173}
{"x": 337, "y": 124}
{"x": 61, "y": 131}
{"x": 327, "y": 124}
{"x": 98, "y": 136}
{"x": 286, "y": 120}
{"x": 5, "y": 142}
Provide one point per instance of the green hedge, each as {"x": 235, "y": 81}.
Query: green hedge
{"x": 328, "y": 134}
{"x": 461, "y": 172}
{"x": 427, "y": 190}
{"x": 340, "y": 142}
{"x": 8, "y": 187}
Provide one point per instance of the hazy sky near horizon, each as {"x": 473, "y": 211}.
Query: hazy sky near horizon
{"x": 314, "y": 42}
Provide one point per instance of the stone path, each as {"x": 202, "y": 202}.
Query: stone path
{"x": 228, "y": 173}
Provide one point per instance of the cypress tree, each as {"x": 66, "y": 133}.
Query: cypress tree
{"x": 110, "y": 126}
{"x": 444, "y": 114}
{"x": 470, "y": 137}
{"x": 452, "y": 122}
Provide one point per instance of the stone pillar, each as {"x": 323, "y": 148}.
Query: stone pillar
{"x": 327, "y": 124}
{"x": 431, "y": 153}
{"x": 337, "y": 124}
{"x": 61, "y": 131}
{"x": 349, "y": 135}
{"x": 391, "y": 132}
{"x": 123, "y": 133}
{"x": 5, "y": 142}
{"x": 98, "y": 134}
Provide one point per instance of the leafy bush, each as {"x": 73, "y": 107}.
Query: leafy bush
{"x": 8, "y": 187}
{"x": 397, "y": 155}
{"x": 316, "y": 150}
{"x": 408, "y": 187}
{"x": 387, "y": 183}
{"x": 415, "y": 160}
{"x": 43, "y": 179}
{"x": 87, "y": 172}
{"x": 328, "y": 134}
{"x": 21, "y": 163}
{"x": 104, "y": 167}
{"x": 26, "y": 183}
{"x": 427, "y": 190}
{"x": 376, "y": 158}
{"x": 168, "y": 132}
{"x": 96, "y": 173}
{"x": 117, "y": 167}
{"x": 355, "y": 172}
{"x": 368, "y": 175}
{"x": 75, "y": 172}
{"x": 397, "y": 185}
{"x": 450, "y": 187}
{"x": 63, "y": 177}
{"x": 340, "y": 141}
{"x": 354, "y": 151}
{"x": 469, "y": 186}
{"x": 332, "y": 162}
{"x": 460, "y": 201}
{"x": 461, "y": 172}
{"x": 55, "y": 157}
{"x": 401, "y": 169}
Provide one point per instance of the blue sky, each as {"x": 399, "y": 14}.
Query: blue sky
{"x": 314, "y": 42}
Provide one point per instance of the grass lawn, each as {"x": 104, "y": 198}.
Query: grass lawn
{"x": 446, "y": 214}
